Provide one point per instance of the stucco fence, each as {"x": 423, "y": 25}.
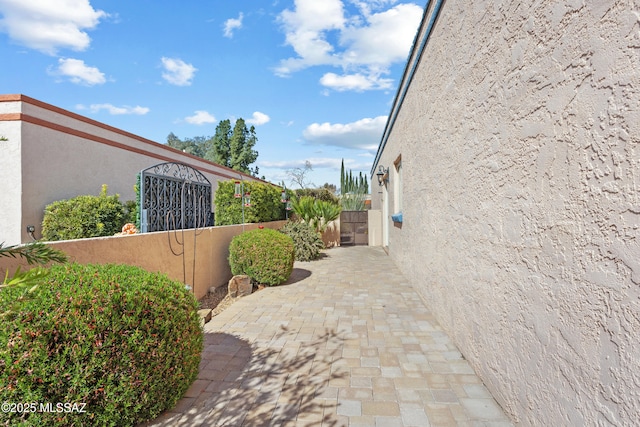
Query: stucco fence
{"x": 198, "y": 258}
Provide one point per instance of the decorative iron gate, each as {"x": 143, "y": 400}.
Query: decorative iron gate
{"x": 174, "y": 196}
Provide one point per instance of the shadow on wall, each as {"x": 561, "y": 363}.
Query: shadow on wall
{"x": 243, "y": 385}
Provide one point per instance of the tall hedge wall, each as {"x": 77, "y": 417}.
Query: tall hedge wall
{"x": 265, "y": 203}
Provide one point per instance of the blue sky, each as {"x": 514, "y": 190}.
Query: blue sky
{"x": 316, "y": 78}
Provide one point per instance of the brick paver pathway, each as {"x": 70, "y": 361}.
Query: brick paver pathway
{"x": 346, "y": 342}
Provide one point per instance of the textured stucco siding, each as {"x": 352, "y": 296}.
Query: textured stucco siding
{"x": 10, "y": 172}
{"x": 520, "y": 144}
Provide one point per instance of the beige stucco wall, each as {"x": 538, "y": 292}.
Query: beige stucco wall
{"x": 63, "y": 155}
{"x": 10, "y": 172}
{"x": 520, "y": 144}
{"x": 160, "y": 251}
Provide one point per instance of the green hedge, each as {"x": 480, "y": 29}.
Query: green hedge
{"x": 123, "y": 341}
{"x": 265, "y": 255}
{"x": 265, "y": 203}
{"x": 86, "y": 216}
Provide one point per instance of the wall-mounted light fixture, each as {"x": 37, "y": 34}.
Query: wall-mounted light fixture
{"x": 383, "y": 175}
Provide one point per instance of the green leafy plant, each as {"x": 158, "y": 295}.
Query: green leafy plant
{"x": 123, "y": 341}
{"x": 317, "y": 213}
{"x": 265, "y": 203}
{"x": 33, "y": 253}
{"x": 306, "y": 240}
{"x": 318, "y": 193}
{"x": 265, "y": 255}
{"x": 84, "y": 216}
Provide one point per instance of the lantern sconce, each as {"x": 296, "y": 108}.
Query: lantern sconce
{"x": 383, "y": 175}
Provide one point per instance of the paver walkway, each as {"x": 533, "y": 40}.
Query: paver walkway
{"x": 346, "y": 342}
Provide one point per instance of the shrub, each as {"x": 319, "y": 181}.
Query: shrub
{"x": 265, "y": 255}
{"x": 317, "y": 213}
{"x": 83, "y": 216}
{"x": 318, "y": 193}
{"x": 265, "y": 203}
{"x": 306, "y": 240}
{"x": 123, "y": 341}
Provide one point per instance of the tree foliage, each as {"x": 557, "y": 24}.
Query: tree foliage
{"x": 353, "y": 190}
{"x": 232, "y": 147}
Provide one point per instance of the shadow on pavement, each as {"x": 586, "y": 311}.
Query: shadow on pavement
{"x": 273, "y": 383}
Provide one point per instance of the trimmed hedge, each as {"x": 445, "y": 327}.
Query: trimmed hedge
{"x": 123, "y": 341}
{"x": 265, "y": 255}
{"x": 84, "y": 216}
{"x": 265, "y": 203}
{"x": 306, "y": 240}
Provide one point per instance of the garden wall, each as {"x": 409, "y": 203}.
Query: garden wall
{"x": 203, "y": 265}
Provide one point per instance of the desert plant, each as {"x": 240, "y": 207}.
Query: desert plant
{"x": 265, "y": 255}
{"x": 306, "y": 240}
{"x": 123, "y": 342}
{"x": 83, "y": 216}
{"x": 317, "y": 213}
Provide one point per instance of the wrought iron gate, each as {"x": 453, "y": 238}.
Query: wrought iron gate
{"x": 174, "y": 196}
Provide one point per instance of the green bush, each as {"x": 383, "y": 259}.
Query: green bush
{"x": 123, "y": 341}
{"x": 84, "y": 216}
{"x": 265, "y": 203}
{"x": 266, "y": 256}
{"x": 306, "y": 240}
{"x": 317, "y": 213}
{"x": 318, "y": 193}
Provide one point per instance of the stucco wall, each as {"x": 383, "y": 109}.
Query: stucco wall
{"x": 173, "y": 253}
{"x": 10, "y": 172}
{"x": 520, "y": 146}
{"x": 63, "y": 155}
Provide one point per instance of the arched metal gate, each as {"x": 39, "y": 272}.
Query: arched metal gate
{"x": 174, "y": 196}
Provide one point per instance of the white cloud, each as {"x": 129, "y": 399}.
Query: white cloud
{"x": 306, "y": 30}
{"x": 367, "y": 43}
{"x": 200, "y": 118}
{"x": 49, "y": 25}
{"x": 177, "y": 72}
{"x": 113, "y": 110}
{"x": 78, "y": 72}
{"x": 385, "y": 39}
{"x": 362, "y": 134}
{"x": 232, "y": 24}
{"x": 258, "y": 119}
{"x": 357, "y": 82}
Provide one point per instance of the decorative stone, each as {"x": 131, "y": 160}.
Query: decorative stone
{"x": 205, "y": 316}
{"x": 239, "y": 286}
